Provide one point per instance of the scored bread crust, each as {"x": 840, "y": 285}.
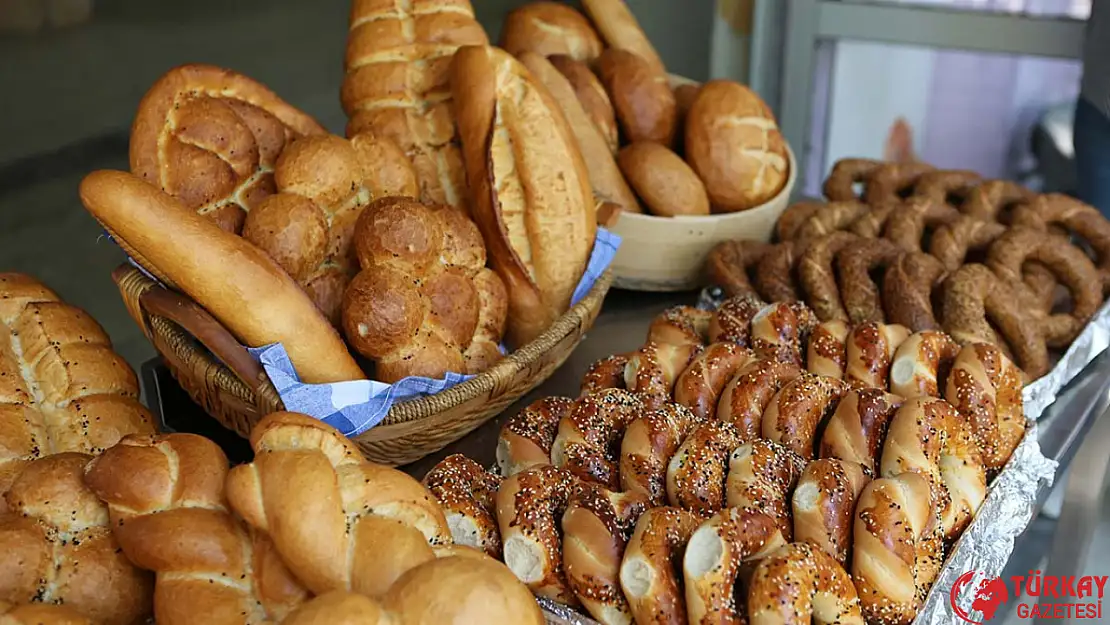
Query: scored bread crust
{"x": 529, "y": 185}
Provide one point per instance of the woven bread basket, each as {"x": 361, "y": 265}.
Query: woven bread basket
{"x": 222, "y": 377}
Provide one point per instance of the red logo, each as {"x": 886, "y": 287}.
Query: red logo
{"x": 1046, "y": 596}
{"x": 989, "y": 594}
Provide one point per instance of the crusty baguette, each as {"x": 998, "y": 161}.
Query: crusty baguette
{"x": 605, "y": 176}
{"x": 619, "y": 28}
{"x": 591, "y": 94}
{"x": 530, "y": 190}
{"x": 235, "y": 281}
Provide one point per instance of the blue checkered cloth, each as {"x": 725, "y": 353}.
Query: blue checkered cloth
{"x": 356, "y": 406}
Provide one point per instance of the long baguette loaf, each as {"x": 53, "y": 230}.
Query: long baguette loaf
{"x": 605, "y": 177}
{"x": 618, "y": 26}
{"x": 235, "y": 281}
{"x": 530, "y": 190}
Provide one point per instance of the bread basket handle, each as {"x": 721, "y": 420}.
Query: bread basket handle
{"x": 197, "y": 322}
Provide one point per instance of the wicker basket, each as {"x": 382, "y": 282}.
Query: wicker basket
{"x": 221, "y": 376}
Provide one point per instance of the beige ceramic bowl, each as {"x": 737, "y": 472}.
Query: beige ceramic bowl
{"x": 668, "y": 253}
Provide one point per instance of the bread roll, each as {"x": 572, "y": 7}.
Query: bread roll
{"x": 605, "y": 176}
{"x": 62, "y": 388}
{"x": 642, "y": 97}
{"x": 530, "y": 188}
{"x": 734, "y": 145}
{"x": 592, "y": 96}
{"x": 548, "y": 28}
{"x": 665, "y": 182}
{"x": 396, "y": 83}
{"x": 235, "y": 281}
{"x": 619, "y": 28}
{"x": 40, "y": 614}
{"x": 210, "y": 138}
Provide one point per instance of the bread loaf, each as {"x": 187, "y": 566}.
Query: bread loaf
{"x": 591, "y": 95}
{"x": 396, "y": 83}
{"x": 548, "y": 28}
{"x": 62, "y": 388}
{"x": 734, "y": 144}
{"x": 323, "y": 183}
{"x": 665, "y": 182}
{"x": 210, "y": 138}
{"x": 424, "y": 303}
{"x": 235, "y": 281}
{"x": 605, "y": 177}
{"x": 165, "y": 497}
{"x": 40, "y": 614}
{"x": 619, "y": 28}
{"x": 529, "y": 184}
{"x": 58, "y": 547}
{"x": 643, "y": 99}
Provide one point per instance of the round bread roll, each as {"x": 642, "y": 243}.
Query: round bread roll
{"x": 592, "y": 96}
{"x": 456, "y": 590}
{"x": 734, "y": 144}
{"x": 550, "y": 28}
{"x": 643, "y": 99}
{"x": 663, "y": 181}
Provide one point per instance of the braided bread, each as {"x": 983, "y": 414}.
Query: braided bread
{"x": 921, "y": 364}
{"x": 319, "y": 500}
{"x": 714, "y": 554}
{"x": 59, "y": 549}
{"x": 928, "y": 436}
{"x": 62, "y": 388}
{"x": 761, "y": 475}
{"x": 797, "y": 410}
{"x": 529, "y": 506}
{"x": 596, "y": 527}
{"x": 748, "y": 394}
{"x": 467, "y": 493}
{"x": 824, "y": 502}
{"x": 396, "y": 84}
{"x": 424, "y": 303}
{"x": 649, "y": 443}
{"x": 798, "y": 583}
{"x": 896, "y": 552}
{"x": 650, "y": 573}
{"x": 857, "y": 428}
{"x": 870, "y": 350}
{"x": 590, "y": 432}
{"x": 986, "y": 386}
{"x": 526, "y": 438}
{"x": 210, "y": 137}
{"x": 165, "y": 496}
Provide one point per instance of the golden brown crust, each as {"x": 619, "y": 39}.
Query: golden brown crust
{"x": 857, "y": 429}
{"x": 168, "y": 511}
{"x": 59, "y": 546}
{"x": 664, "y": 181}
{"x": 514, "y": 138}
{"x": 829, "y": 218}
{"x": 870, "y": 352}
{"x": 650, "y": 573}
{"x": 548, "y": 28}
{"x": 775, "y": 275}
{"x": 846, "y": 173}
{"x": 907, "y": 225}
{"x": 946, "y": 186}
{"x": 653, "y": 370}
{"x": 210, "y": 137}
{"x": 907, "y": 291}
{"x": 796, "y": 411}
{"x": 920, "y": 366}
{"x": 701, "y": 383}
{"x": 649, "y": 443}
{"x": 890, "y": 182}
{"x": 526, "y": 438}
{"x": 855, "y": 266}
{"x": 827, "y": 350}
{"x": 817, "y": 580}
{"x": 396, "y": 84}
{"x": 641, "y": 96}
{"x": 258, "y": 302}
{"x": 994, "y": 199}
{"x": 467, "y": 494}
{"x": 824, "y": 503}
{"x": 588, "y": 440}
{"x": 761, "y": 475}
{"x": 1076, "y": 218}
{"x": 605, "y": 175}
{"x": 592, "y": 96}
{"x": 731, "y": 265}
{"x": 780, "y": 332}
{"x": 817, "y": 277}
{"x": 986, "y": 387}
{"x": 696, "y": 472}
{"x": 732, "y": 320}
{"x": 40, "y": 614}
{"x": 596, "y": 528}
{"x": 618, "y": 26}
{"x": 424, "y": 298}
{"x": 734, "y": 144}
{"x": 605, "y": 373}
{"x": 681, "y": 325}
{"x": 747, "y": 395}
{"x": 926, "y": 434}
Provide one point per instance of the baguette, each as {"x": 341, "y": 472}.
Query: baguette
{"x": 619, "y": 28}
{"x": 235, "y": 281}
{"x": 605, "y": 176}
{"x": 530, "y": 190}
{"x": 591, "y": 94}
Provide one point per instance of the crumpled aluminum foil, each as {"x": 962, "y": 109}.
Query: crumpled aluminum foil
{"x": 986, "y": 545}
